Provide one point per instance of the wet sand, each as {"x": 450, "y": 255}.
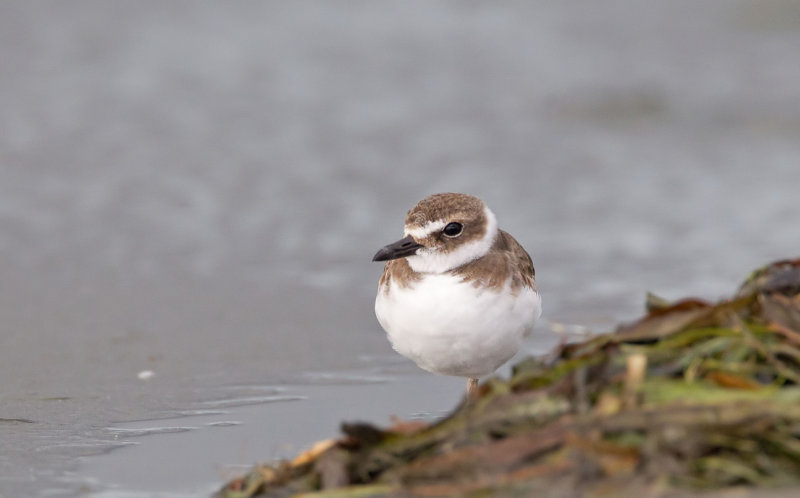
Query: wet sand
{"x": 193, "y": 455}
{"x": 196, "y": 190}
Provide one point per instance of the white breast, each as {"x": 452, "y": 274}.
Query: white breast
{"x": 451, "y": 327}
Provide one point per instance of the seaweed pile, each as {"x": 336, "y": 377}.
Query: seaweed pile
{"x": 694, "y": 396}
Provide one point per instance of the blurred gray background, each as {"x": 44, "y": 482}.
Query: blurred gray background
{"x": 197, "y": 188}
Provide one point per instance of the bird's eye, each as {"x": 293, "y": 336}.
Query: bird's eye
{"x": 452, "y": 229}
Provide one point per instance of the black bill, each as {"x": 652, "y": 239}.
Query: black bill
{"x": 400, "y": 249}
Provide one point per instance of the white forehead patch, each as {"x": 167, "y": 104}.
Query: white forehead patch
{"x": 420, "y": 233}
{"x": 432, "y": 261}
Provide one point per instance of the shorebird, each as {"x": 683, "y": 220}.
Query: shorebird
{"x": 457, "y": 295}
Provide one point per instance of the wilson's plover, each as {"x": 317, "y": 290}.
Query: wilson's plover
{"x": 457, "y": 295}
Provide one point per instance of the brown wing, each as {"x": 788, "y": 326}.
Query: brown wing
{"x": 519, "y": 260}
{"x": 506, "y": 257}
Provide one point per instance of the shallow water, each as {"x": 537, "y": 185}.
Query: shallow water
{"x": 196, "y": 190}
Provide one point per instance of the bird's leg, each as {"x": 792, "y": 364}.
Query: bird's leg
{"x": 472, "y": 389}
